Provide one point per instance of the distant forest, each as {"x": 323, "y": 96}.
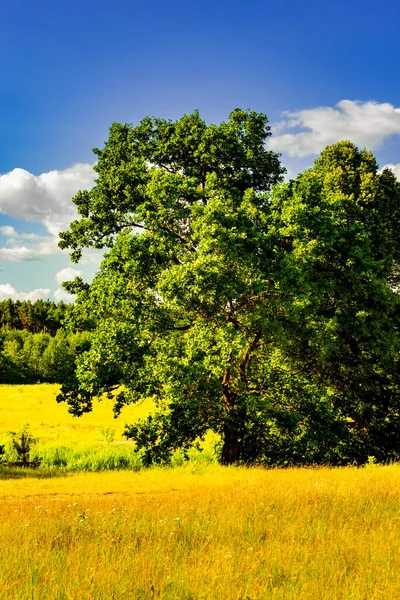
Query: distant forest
{"x": 40, "y": 316}
{"x": 33, "y": 345}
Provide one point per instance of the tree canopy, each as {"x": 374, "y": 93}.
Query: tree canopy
{"x": 340, "y": 221}
{"x": 42, "y": 315}
{"x": 258, "y": 309}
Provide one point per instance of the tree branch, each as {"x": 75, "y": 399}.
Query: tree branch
{"x": 246, "y": 356}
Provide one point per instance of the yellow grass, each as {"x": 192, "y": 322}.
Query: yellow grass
{"x": 51, "y": 422}
{"x": 222, "y": 533}
{"x": 200, "y": 532}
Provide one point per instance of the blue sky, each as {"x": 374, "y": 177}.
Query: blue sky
{"x": 321, "y": 71}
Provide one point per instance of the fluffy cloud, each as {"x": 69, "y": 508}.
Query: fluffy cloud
{"x": 8, "y": 291}
{"x": 364, "y": 123}
{"x": 395, "y": 169}
{"x": 62, "y": 295}
{"x": 8, "y": 231}
{"x": 14, "y": 252}
{"x": 44, "y": 198}
{"x": 67, "y": 274}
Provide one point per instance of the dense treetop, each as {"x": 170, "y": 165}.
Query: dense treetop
{"x": 262, "y": 310}
{"x": 35, "y": 317}
{"x": 33, "y": 346}
{"x": 151, "y": 176}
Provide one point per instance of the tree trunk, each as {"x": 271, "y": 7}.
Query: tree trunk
{"x": 234, "y": 425}
{"x": 231, "y": 447}
{"x": 234, "y": 429}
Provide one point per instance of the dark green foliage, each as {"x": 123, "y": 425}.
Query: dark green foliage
{"x": 266, "y": 317}
{"x": 179, "y": 302}
{"x": 22, "y": 443}
{"x": 33, "y": 347}
{"x": 39, "y": 357}
{"x": 339, "y": 226}
{"x": 35, "y": 317}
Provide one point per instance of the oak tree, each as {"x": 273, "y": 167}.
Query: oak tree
{"x": 264, "y": 311}
{"x": 338, "y": 227}
{"x": 184, "y": 297}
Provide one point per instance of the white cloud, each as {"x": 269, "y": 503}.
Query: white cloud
{"x": 45, "y": 198}
{"x": 14, "y": 253}
{"x": 50, "y": 202}
{"x": 395, "y": 169}
{"x": 13, "y": 235}
{"x": 62, "y": 295}
{"x": 8, "y": 291}
{"x": 17, "y": 254}
{"x": 366, "y": 124}
{"x": 67, "y": 274}
{"x": 8, "y": 231}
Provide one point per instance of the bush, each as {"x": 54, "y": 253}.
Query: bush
{"x": 90, "y": 458}
{"x": 21, "y": 443}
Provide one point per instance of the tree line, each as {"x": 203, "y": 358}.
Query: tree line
{"x": 33, "y": 346}
{"x": 40, "y": 316}
{"x": 27, "y": 357}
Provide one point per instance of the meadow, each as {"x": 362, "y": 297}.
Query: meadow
{"x": 93, "y": 442}
{"x": 50, "y": 421}
{"x": 210, "y": 533}
{"x": 195, "y": 531}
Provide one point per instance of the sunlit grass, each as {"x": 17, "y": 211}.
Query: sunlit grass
{"x": 218, "y": 533}
{"x": 51, "y": 422}
{"x": 198, "y": 531}
{"x": 93, "y": 442}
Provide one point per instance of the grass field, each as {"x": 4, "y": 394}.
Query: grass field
{"x": 93, "y": 442}
{"x": 78, "y": 443}
{"x": 51, "y": 422}
{"x": 218, "y": 533}
{"x": 193, "y": 532}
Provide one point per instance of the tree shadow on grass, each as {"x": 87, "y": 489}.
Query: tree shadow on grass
{"x": 29, "y": 473}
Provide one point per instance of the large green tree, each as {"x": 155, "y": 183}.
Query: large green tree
{"x": 338, "y": 228}
{"x": 267, "y": 317}
{"x": 183, "y": 300}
